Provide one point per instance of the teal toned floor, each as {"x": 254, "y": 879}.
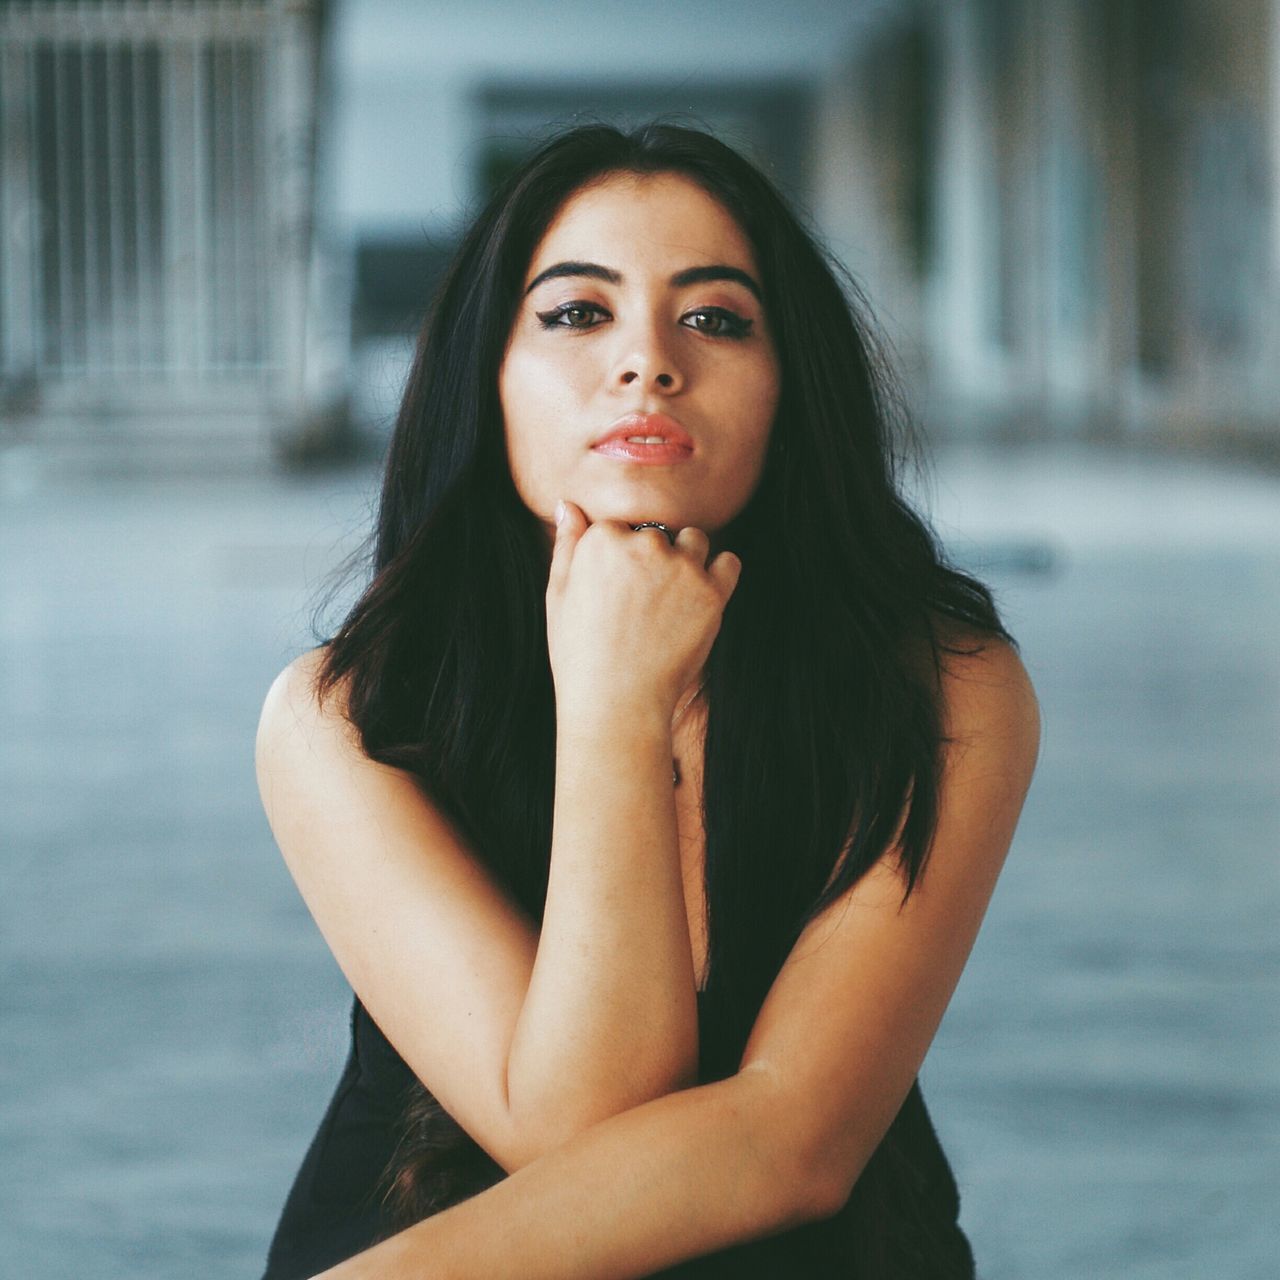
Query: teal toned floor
{"x": 1106, "y": 1080}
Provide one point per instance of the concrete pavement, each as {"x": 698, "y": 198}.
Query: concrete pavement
{"x": 1106, "y": 1079}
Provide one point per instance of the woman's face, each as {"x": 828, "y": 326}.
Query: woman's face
{"x": 641, "y": 316}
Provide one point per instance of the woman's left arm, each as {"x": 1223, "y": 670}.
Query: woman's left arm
{"x": 837, "y": 1043}
{"x": 680, "y": 1176}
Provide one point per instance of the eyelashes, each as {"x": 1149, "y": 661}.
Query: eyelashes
{"x": 568, "y": 315}
{"x": 731, "y": 324}
{"x": 584, "y": 316}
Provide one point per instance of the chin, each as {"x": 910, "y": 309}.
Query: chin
{"x": 633, "y": 508}
{"x": 637, "y": 515}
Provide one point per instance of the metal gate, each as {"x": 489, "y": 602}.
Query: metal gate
{"x": 156, "y": 176}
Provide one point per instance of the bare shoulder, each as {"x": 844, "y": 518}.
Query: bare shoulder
{"x": 295, "y": 686}
{"x": 987, "y": 697}
{"x": 294, "y": 711}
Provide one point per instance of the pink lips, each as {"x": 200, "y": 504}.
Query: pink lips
{"x": 676, "y": 446}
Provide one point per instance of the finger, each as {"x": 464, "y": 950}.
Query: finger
{"x": 694, "y": 541}
{"x": 571, "y": 527}
{"x": 724, "y": 571}
{"x": 648, "y": 530}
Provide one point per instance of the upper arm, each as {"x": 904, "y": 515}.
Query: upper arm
{"x": 436, "y": 951}
{"x": 850, "y": 1016}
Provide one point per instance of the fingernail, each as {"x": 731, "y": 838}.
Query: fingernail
{"x": 559, "y": 511}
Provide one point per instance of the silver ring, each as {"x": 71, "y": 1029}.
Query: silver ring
{"x": 656, "y": 524}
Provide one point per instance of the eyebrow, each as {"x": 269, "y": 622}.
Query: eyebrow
{"x": 690, "y": 275}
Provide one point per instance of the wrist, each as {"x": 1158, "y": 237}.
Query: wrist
{"x": 633, "y": 721}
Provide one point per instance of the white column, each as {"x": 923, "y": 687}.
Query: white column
{"x": 1273, "y": 35}
{"x": 849, "y": 200}
{"x": 1273, "y": 301}
{"x": 178, "y": 166}
{"x": 1035, "y": 67}
{"x": 18, "y": 323}
{"x": 290, "y": 114}
{"x": 954, "y": 304}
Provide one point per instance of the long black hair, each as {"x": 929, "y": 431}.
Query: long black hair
{"x": 824, "y": 724}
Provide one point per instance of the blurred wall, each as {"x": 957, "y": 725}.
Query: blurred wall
{"x": 415, "y": 82}
{"x": 431, "y": 103}
{"x": 1065, "y": 214}
{"x": 157, "y": 264}
{"x": 1069, "y": 213}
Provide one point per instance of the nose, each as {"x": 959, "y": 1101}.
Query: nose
{"x": 649, "y": 362}
{"x": 664, "y": 380}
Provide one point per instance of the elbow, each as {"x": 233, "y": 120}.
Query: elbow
{"x": 538, "y": 1124}
{"x": 825, "y": 1183}
{"x": 827, "y": 1196}
{"x": 819, "y": 1192}
{"x": 799, "y": 1182}
{"x": 820, "y": 1170}
{"x": 522, "y": 1142}
{"x": 530, "y": 1140}
{"x": 535, "y": 1133}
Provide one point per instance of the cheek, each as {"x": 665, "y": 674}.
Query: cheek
{"x": 759, "y": 400}
{"x": 523, "y": 390}
{"x": 534, "y": 388}
{"x": 519, "y": 420}
{"x": 538, "y": 421}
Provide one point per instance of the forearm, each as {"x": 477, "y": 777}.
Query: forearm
{"x": 676, "y": 1178}
{"x": 610, "y": 1017}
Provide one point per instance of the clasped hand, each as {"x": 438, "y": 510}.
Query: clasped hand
{"x": 631, "y": 618}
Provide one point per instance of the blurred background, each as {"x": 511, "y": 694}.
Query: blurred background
{"x": 220, "y": 226}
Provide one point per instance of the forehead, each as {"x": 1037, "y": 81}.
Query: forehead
{"x": 664, "y": 221}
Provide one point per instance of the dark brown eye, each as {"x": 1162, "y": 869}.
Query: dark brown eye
{"x": 718, "y": 323}
{"x": 573, "y": 315}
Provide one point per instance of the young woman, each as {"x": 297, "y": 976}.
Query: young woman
{"x": 652, "y": 794}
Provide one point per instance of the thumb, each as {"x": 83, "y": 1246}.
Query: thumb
{"x": 725, "y": 571}
{"x": 571, "y": 524}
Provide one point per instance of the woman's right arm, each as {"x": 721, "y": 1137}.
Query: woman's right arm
{"x": 444, "y": 960}
{"x": 526, "y": 1039}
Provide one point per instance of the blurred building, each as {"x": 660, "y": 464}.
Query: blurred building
{"x": 1071, "y": 210}
{"x": 158, "y": 272}
{"x": 1066, "y": 214}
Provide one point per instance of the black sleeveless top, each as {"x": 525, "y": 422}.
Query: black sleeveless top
{"x": 900, "y": 1223}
